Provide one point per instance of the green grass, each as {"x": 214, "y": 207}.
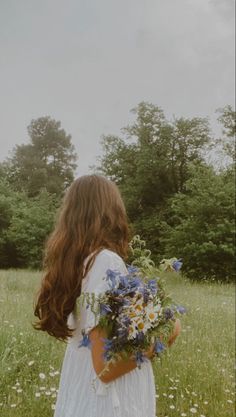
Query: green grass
{"x": 196, "y": 373}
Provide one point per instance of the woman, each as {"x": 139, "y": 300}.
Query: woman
{"x": 91, "y": 236}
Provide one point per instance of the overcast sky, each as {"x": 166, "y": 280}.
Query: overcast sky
{"x": 87, "y": 63}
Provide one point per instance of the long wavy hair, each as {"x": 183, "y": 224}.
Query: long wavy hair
{"x": 92, "y": 217}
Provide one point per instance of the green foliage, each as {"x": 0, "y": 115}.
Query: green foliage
{"x": 202, "y": 226}
{"x": 140, "y": 255}
{"x": 30, "y": 225}
{"x": 227, "y": 117}
{"x": 9, "y": 200}
{"x": 155, "y": 165}
{"x": 47, "y": 162}
{"x": 24, "y": 226}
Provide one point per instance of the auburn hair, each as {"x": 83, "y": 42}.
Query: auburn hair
{"x": 92, "y": 217}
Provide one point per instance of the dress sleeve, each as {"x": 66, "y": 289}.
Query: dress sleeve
{"x": 96, "y": 283}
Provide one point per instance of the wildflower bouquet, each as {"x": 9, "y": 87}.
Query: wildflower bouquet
{"x": 135, "y": 312}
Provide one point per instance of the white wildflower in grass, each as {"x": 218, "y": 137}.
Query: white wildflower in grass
{"x": 42, "y": 376}
{"x": 37, "y": 394}
{"x": 193, "y": 410}
{"x": 171, "y": 396}
{"x": 54, "y": 395}
{"x": 19, "y": 390}
{"x": 53, "y": 389}
{"x": 53, "y": 406}
{"x": 13, "y": 405}
{"x": 17, "y": 384}
{"x": 164, "y": 394}
{"x": 56, "y": 373}
{"x": 183, "y": 414}
{"x": 230, "y": 401}
{"x": 205, "y": 402}
{"x": 30, "y": 363}
{"x": 48, "y": 393}
{"x": 202, "y": 415}
{"x": 172, "y": 407}
{"x": 42, "y": 388}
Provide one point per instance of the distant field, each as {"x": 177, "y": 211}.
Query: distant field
{"x": 195, "y": 377}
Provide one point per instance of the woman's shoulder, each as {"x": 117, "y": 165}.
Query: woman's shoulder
{"x": 108, "y": 259}
{"x": 108, "y": 254}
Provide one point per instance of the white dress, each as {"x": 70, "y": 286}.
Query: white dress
{"x": 81, "y": 392}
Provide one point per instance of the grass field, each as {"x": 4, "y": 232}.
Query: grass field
{"x": 194, "y": 378}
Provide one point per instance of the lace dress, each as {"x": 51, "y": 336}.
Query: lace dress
{"x": 81, "y": 392}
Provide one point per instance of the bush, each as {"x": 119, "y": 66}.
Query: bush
{"x": 202, "y": 231}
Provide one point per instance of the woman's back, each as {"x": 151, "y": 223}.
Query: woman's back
{"x": 81, "y": 392}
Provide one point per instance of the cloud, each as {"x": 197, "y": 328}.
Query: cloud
{"x": 88, "y": 63}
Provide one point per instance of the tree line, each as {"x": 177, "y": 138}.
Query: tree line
{"x": 181, "y": 204}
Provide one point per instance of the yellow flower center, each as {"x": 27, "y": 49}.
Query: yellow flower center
{"x": 151, "y": 316}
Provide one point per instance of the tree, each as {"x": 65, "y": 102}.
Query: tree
{"x": 227, "y": 118}
{"x": 47, "y": 162}
{"x": 9, "y": 201}
{"x": 201, "y": 225}
{"x": 30, "y": 225}
{"x": 151, "y": 163}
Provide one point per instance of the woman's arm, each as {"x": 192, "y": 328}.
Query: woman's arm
{"x": 176, "y": 332}
{"x": 114, "y": 371}
{"x": 122, "y": 366}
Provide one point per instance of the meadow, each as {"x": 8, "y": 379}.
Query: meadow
{"x": 195, "y": 377}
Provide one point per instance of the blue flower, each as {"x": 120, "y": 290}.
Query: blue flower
{"x": 85, "y": 342}
{"x": 124, "y": 281}
{"x": 105, "y": 309}
{"x": 132, "y": 269}
{"x": 135, "y": 283}
{"x": 152, "y": 286}
{"x": 140, "y": 358}
{"x": 159, "y": 347}
{"x": 122, "y": 332}
{"x": 177, "y": 265}
{"x": 168, "y": 312}
{"x": 126, "y": 321}
{"x": 108, "y": 345}
{"x": 111, "y": 276}
{"x": 145, "y": 293}
{"x": 139, "y": 337}
{"x": 181, "y": 309}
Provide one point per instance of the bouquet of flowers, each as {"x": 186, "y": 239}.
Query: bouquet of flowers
{"x": 135, "y": 312}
